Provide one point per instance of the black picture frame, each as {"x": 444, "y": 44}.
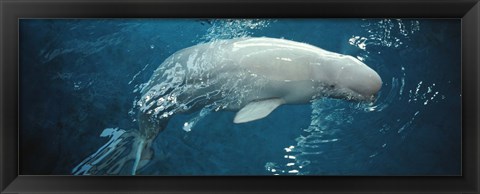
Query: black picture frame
{"x": 12, "y": 10}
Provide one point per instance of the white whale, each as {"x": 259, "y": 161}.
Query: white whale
{"x": 252, "y": 76}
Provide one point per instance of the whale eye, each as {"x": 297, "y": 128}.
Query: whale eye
{"x": 331, "y": 86}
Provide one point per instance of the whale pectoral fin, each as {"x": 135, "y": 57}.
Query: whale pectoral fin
{"x": 257, "y": 109}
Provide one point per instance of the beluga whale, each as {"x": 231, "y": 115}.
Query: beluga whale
{"x": 251, "y": 76}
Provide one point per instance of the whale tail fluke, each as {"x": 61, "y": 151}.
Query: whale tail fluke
{"x": 124, "y": 153}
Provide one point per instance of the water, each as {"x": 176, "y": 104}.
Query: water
{"x": 81, "y": 82}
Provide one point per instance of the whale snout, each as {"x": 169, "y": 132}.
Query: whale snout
{"x": 362, "y": 81}
{"x": 368, "y": 86}
{"x": 373, "y": 85}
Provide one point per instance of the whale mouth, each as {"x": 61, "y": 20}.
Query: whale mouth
{"x": 365, "y": 97}
{"x": 361, "y": 98}
{"x": 351, "y": 95}
{"x": 372, "y": 98}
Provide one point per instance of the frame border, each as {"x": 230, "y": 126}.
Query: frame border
{"x": 12, "y": 10}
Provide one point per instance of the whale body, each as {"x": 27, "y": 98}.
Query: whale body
{"x": 251, "y": 76}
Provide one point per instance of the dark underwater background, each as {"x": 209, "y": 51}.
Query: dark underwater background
{"x": 78, "y": 77}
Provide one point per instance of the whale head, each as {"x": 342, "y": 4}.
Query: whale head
{"x": 349, "y": 79}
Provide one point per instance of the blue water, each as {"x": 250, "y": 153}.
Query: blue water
{"x": 79, "y": 77}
